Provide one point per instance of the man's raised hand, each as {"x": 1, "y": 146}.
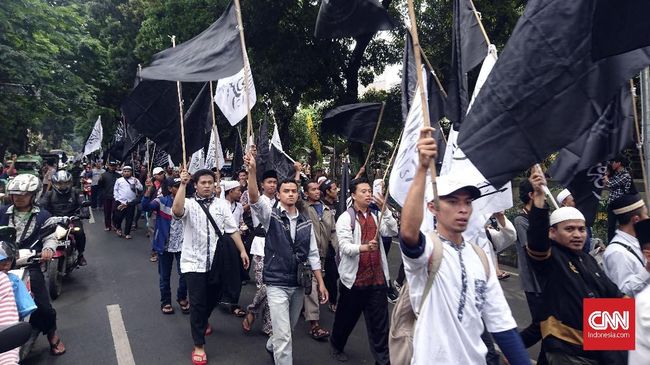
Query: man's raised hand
{"x": 185, "y": 177}
{"x": 426, "y": 147}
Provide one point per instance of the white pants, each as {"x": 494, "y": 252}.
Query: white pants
{"x": 285, "y": 304}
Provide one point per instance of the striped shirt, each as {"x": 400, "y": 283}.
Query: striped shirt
{"x": 8, "y": 315}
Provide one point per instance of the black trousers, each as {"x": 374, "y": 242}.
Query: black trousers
{"x": 108, "y": 212}
{"x": 331, "y": 274}
{"x": 80, "y": 239}
{"x": 125, "y": 214}
{"x": 374, "y": 306}
{"x": 533, "y": 333}
{"x": 44, "y": 317}
{"x": 203, "y": 299}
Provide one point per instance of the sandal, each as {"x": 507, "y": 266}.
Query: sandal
{"x": 118, "y": 232}
{"x": 154, "y": 257}
{"x": 185, "y": 306}
{"x": 332, "y": 307}
{"x": 54, "y": 347}
{"x": 237, "y": 312}
{"x": 208, "y": 330}
{"x": 199, "y": 359}
{"x": 167, "y": 309}
{"x": 503, "y": 275}
{"x": 247, "y": 324}
{"x": 317, "y": 333}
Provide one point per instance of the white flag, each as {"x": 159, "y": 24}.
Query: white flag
{"x": 94, "y": 141}
{"x": 275, "y": 138}
{"x": 196, "y": 162}
{"x": 455, "y": 162}
{"x": 230, "y": 95}
{"x": 406, "y": 160}
{"x": 214, "y": 150}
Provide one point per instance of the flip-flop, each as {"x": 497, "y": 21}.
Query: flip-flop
{"x": 167, "y": 309}
{"x": 317, "y": 333}
{"x": 185, "y": 306}
{"x": 208, "y": 330}
{"x": 238, "y": 312}
{"x": 199, "y": 359}
{"x": 55, "y": 346}
{"x": 247, "y": 323}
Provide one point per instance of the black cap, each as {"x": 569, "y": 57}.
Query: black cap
{"x": 626, "y": 203}
{"x": 642, "y": 229}
{"x": 171, "y": 181}
{"x": 112, "y": 162}
{"x": 268, "y": 174}
{"x": 325, "y": 185}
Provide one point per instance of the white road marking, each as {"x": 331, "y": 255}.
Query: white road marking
{"x": 120, "y": 338}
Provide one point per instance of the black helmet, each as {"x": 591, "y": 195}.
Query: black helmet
{"x": 62, "y": 182}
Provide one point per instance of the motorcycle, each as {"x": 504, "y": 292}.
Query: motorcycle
{"x": 65, "y": 258}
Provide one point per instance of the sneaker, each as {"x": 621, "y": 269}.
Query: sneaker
{"x": 392, "y": 295}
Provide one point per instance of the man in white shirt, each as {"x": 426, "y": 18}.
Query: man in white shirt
{"x": 285, "y": 272}
{"x": 232, "y": 194}
{"x": 449, "y": 327}
{"x": 623, "y": 260}
{"x": 641, "y": 353}
{"x": 200, "y": 240}
{"x": 269, "y": 181}
{"x": 125, "y": 193}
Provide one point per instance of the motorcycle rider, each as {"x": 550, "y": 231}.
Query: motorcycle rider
{"x": 64, "y": 200}
{"x": 28, "y": 219}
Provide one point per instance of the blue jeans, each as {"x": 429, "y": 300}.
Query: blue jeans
{"x": 285, "y": 304}
{"x": 165, "y": 264}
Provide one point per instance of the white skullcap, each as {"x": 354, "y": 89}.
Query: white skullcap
{"x": 562, "y": 195}
{"x": 321, "y": 179}
{"x": 127, "y": 168}
{"x": 565, "y": 214}
{"x": 229, "y": 185}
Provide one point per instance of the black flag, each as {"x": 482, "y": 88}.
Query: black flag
{"x": 263, "y": 148}
{"x": 356, "y": 122}
{"x": 619, "y": 27}
{"x": 351, "y": 18}
{"x": 212, "y": 55}
{"x": 544, "y": 92}
{"x": 238, "y": 155}
{"x": 611, "y": 134}
{"x": 344, "y": 187}
{"x": 436, "y": 98}
{"x": 586, "y": 187}
{"x": 280, "y": 163}
{"x": 152, "y": 109}
{"x": 468, "y": 50}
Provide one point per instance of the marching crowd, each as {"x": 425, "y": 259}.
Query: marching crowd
{"x": 304, "y": 251}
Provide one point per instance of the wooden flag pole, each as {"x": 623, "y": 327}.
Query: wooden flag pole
{"x": 423, "y": 98}
{"x": 435, "y": 76}
{"x": 180, "y": 110}
{"x": 639, "y": 145}
{"x": 214, "y": 130}
{"x": 374, "y": 137}
{"x": 240, "y": 25}
{"x": 480, "y": 23}
{"x": 547, "y": 192}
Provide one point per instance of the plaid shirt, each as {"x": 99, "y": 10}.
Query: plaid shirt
{"x": 619, "y": 184}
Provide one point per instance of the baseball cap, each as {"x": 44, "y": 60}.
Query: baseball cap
{"x": 158, "y": 170}
{"x": 448, "y": 184}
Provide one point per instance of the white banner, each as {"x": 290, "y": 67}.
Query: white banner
{"x": 406, "y": 160}
{"x": 196, "y": 162}
{"x": 214, "y": 150}
{"x": 455, "y": 162}
{"x": 94, "y": 141}
{"x": 275, "y": 138}
{"x": 230, "y": 95}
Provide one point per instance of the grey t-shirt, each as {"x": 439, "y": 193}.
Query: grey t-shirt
{"x": 529, "y": 281}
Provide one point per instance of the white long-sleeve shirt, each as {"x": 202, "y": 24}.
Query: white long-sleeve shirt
{"x": 125, "y": 190}
{"x": 623, "y": 267}
{"x": 350, "y": 245}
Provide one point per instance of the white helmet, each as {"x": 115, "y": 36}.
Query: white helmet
{"x": 24, "y": 184}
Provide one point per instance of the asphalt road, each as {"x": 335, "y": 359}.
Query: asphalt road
{"x": 120, "y": 279}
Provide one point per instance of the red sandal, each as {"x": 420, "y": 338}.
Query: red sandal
{"x": 208, "y": 330}
{"x": 199, "y": 359}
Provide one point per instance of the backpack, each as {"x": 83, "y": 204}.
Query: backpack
{"x": 403, "y": 317}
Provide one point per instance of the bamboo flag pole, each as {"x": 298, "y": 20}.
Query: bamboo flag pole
{"x": 547, "y": 192}
{"x": 390, "y": 164}
{"x": 480, "y": 23}
{"x": 214, "y": 130}
{"x": 240, "y": 25}
{"x": 423, "y": 99}
{"x": 374, "y": 137}
{"x": 180, "y": 111}
{"x": 639, "y": 144}
{"x": 435, "y": 76}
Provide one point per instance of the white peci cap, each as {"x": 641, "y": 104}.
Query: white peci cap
{"x": 565, "y": 214}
